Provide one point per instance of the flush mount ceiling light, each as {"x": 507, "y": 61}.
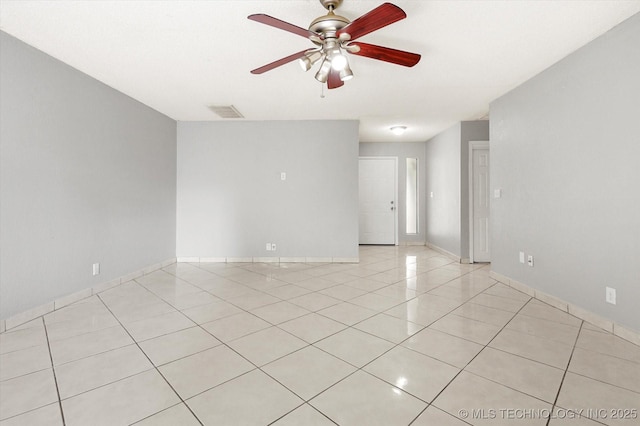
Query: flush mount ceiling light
{"x": 398, "y": 130}
{"x": 334, "y": 36}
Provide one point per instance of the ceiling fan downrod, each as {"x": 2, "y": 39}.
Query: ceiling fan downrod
{"x": 330, "y": 5}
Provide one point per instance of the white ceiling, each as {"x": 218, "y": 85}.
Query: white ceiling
{"x": 179, "y": 57}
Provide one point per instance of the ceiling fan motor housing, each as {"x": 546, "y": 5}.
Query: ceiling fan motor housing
{"x": 328, "y": 24}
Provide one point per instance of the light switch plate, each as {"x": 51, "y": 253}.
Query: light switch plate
{"x": 497, "y": 193}
{"x": 521, "y": 257}
{"x": 610, "y": 295}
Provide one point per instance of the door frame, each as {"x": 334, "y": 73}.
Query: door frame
{"x": 395, "y": 189}
{"x": 474, "y": 145}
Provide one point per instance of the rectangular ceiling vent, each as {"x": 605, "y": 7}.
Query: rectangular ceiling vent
{"x": 226, "y": 111}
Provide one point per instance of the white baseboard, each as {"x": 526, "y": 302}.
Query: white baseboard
{"x": 268, "y": 260}
{"x": 318, "y": 260}
{"x": 445, "y": 252}
{"x": 585, "y": 315}
{"x": 211, "y": 260}
{"x": 294, "y": 260}
{"x": 61, "y": 302}
{"x": 412, "y": 243}
{"x": 345, "y": 260}
{"x": 188, "y": 259}
{"x": 239, "y": 259}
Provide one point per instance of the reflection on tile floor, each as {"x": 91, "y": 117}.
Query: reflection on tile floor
{"x": 404, "y": 337}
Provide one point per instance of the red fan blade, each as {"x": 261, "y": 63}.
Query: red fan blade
{"x": 386, "y": 54}
{"x": 334, "y": 81}
{"x": 279, "y": 62}
{"x": 379, "y": 17}
{"x": 277, "y": 23}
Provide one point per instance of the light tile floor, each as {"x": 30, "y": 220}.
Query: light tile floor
{"x": 404, "y": 337}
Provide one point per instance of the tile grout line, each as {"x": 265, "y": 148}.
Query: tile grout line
{"x": 602, "y": 381}
{"x": 565, "y": 370}
{"x": 424, "y": 327}
{"x": 365, "y": 319}
{"x": 302, "y": 405}
{"x": 256, "y": 367}
{"x": 348, "y": 326}
{"x": 470, "y": 361}
{"x": 361, "y": 369}
{"x": 342, "y": 301}
{"x": 306, "y": 346}
{"x": 564, "y": 375}
{"x": 517, "y": 331}
{"x": 154, "y": 366}
{"x": 316, "y": 291}
{"x": 119, "y": 323}
{"x": 53, "y": 370}
{"x": 608, "y": 355}
{"x": 377, "y": 312}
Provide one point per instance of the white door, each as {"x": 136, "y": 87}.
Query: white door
{"x": 378, "y": 210}
{"x": 480, "y": 158}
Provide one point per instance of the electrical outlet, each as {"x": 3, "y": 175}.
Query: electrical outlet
{"x": 610, "y": 295}
{"x": 96, "y": 269}
{"x": 268, "y": 246}
{"x": 530, "y": 260}
{"x": 521, "y": 257}
{"x": 283, "y": 175}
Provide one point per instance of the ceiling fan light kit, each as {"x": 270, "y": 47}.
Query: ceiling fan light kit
{"x": 323, "y": 73}
{"x": 335, "y": 35}
{"x": 309, "y": 59}
{"x": 346, "y": 73}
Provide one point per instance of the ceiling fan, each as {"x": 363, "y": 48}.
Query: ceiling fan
{"x": 333, "y": 35}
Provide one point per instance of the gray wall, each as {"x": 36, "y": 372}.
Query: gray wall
{"x": 470, "y": 131}
{"x": 403, "y": 151}
{"x": 231, "y": 201}
{"x": 87, "y": 175}
{"x": 447, "y": 176}
{"x": 565, "y": 150}
{"x": 442, "y": 213}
